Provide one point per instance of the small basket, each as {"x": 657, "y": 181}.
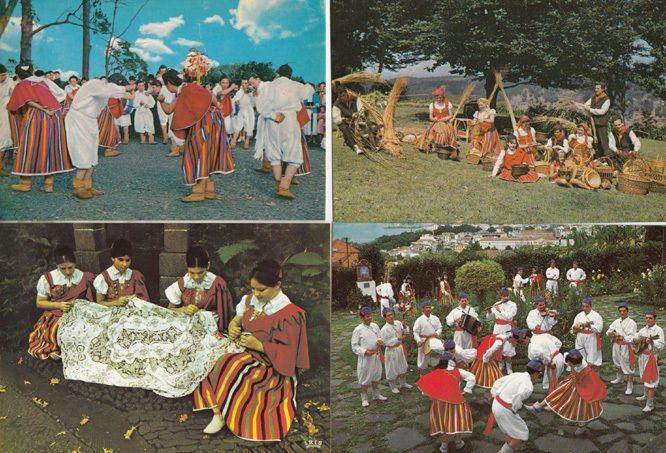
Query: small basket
{"x": 633, "y": 184}
{"x": 605, "y": 172}
{"x": 565, "y": 172}
{"x": 591, "y": 178}
{"x": 473, "y": 158}
{"x": 519, "y": 170}
{"x": 542, "y": 167}
{"x": 658, "y": 165}
{"x": 658, "y": 183}
{"x": 489, "y": 163}
{"x": 443, "y": 153}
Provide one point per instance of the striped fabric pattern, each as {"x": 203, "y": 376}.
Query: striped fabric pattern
{"x": 42, "y": 146}
{"x": 109, "y": 137}
{"x": 206, "y": 149}
{"x": 42, "y": 341}
{"x": 485, "y": 373}
{"x": 531, "y": 176}
{"x": 567, "y": 403}
{"x": 14, "y": 128}
{"x": 444, "y": 136}
{"x": 304, "y": 168}
{"x": 255, "y": 401}
{"x": 448, "y": 418}
{"x": 488, "y": 143}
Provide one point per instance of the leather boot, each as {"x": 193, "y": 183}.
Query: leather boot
{"x": 111, "y": 153}
{"x": 80, "y": 190}
{"x": 209, "y": 189}
{"x": 88, "y": 184}
{"x": 198, "y": 192}
{"x": 265, "y": 167}
{"x": 24, "y": 185}
{"x": 285, "y": 192}
{"x": 48, "y": 184}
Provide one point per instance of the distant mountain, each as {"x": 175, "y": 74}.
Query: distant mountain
{"x": 525, "y": 95}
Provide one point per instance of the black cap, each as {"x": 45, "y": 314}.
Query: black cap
{"x": 118, "y": 79}
{"x": 285, "y": 71}
{"x": 172, "y": 76}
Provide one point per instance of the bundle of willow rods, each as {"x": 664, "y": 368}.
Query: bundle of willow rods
{"x": 390, "y": 141}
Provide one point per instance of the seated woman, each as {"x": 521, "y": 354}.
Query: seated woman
{"x": 581, "y": 145}
{"x": 200, "y": 289}
{"x": 526, "y": 136}
{"x": 274, "y": 332}
{"x": 555, "y": 166}
{"x": 116, "y": 285}
{"x": 56, "y": 292}
{"x": 514, "y": 156}
{"x": 486, "y": 140}
{"x": 556, "y": 143}
{"x": 440, "y": 132}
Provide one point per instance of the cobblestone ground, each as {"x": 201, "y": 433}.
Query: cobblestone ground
{"x": 401, "y": 422}
{"x": 143, "y": 184}
{"x": 27, "y": 426}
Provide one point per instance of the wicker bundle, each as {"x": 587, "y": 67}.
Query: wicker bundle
{"x": 569, "y": 125}
{"x": 542, "y": 167}
{"x": 359, "y": 77}
{"x": 390, "y": 141}
{"x": 658, "y": 183}
{"x": 541, "y": 137}
{"x": 464, "y": 97}
{"x": 633, "y": 184}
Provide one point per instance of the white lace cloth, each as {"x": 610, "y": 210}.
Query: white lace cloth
{"x": 140, "y": 345}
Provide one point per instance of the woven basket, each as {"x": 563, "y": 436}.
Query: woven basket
{"x": 443, "y": 153}
{"x": 565, "y": 172}
{"x": 658, "y": 165}
{"x": 591, "y": 178}
{"x": 473, "y": 158}
{"x": 633, "y": 184}
{"x": 542, "y": 167}
{"x": 637, "y": 166}
{"x": 489, "y": 163}
{"x": 519, "y": 170}
{"x": 605, "y": 172}
{"x": 658, "y": 183}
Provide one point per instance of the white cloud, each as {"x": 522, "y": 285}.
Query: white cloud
{"x": 265, "y": 19}
{"x": 153, "y": 45}
{"x": 216, "y": 19}
{"x": 65, "y": 75}
{"x": 145, "y": 55}
{"x": 187, "y": 42}
{"x": 162, "y": 29}
{"x": 11, "y": 38}
{"x": 6, "y": 47}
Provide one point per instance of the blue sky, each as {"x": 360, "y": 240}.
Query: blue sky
{"x": 230, "y": 31}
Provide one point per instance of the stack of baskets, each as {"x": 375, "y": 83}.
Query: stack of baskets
{"x": 635, "y": 178}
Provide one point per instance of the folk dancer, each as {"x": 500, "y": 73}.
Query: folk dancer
{"x": 444, "y": 292}
{"x": 57, "y": 290}
{"x": 165, "y": 119}
{"x": 42, "y": 146}
{"x": 386, "y": 293}
{"x": 541, "y": 320}
{"x": 70, "y": 91}
{"x": 653, "y": 336}
{"x": 519, "y": 283}
{"x": 623, "y": 143}
{"x": 262, "y": 139}
{"x": 463, "y": 357}
{"x": 509, "y": 394}
{"x": 546, "y": 349}
{"x": 450, "y": 415}
{"x": 461, "y": 337}
{"x": 395, "y": 352}
{"x": 197, "y": 126}
{"x": 144, "y": 122}
{"x": 366, "y": 342}
{"x": 8, "y": 127}
{"x": 486, "y": 365}
{"x": 552, "y": 279}
{"x": 426, "y": 326}
{"x": 223, "y": 93}
{"x": 622, "y": 332}
{"x": 243, "y": 118}
{"x": 486, "y": 141}
{"x": 576, "y": 276}
{"x": 578, "y": 397}
{"x": 83, "y": 130}
{"x": 504, "y": 312}
{"x": 510, "y": 157}
{"x": 440, "y": 111}
{"x": 587, "y": 326}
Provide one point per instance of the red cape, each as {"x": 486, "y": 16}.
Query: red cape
{"x": 192, "y": 104}
{"x": 589, "y": 385}
{"x": 443, "y": 385}
{"x": 26, "y": 91}
{"x": 115, "y": 107}
{"x": 485, "y": 344}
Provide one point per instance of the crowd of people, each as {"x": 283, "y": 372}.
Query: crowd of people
{"x": 55, "y": 128}
{"x": 574, "y": 389}
{"x": 269, "y": 327}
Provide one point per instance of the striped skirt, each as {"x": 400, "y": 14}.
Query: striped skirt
{"x": 14, "y": 129}
{"x": 485, "y": 373}
{"x": 42, "y": 341}
{"x": 255, "y": 401}
{"x": 444, "y": 135}
{"x": 206, "y": 149}
{"x": 488, "y": 143}
{"x": 42, "y": 146}
{"x": 304, "y": 168}
{"x": 109, "y": 137}
{"x": 448, "y": 418}
{"x": 531, "y": 176}
{"x": 567, "y": 403}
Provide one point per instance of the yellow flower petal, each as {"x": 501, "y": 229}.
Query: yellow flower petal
{"x": 324, "y": 407}
{"x": 26, "y": 382}
{"x": 3, "y": 388}
{"x": 129, "y": 432}
{"x": 39, "y": 402}
{"x": 84, "y": 420}
{"x": 54, "y": 381}
{"x": 183, "y": 418}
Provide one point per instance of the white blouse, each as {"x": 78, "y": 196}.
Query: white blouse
{"x": 100, "y": 283}
{"x": 44, "y": 289}
{"x": 174, "y": 294}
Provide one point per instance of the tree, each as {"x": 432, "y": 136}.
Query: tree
{"x": 85, "y": 40}
{"x": 479, "y": 277}
{"x": 117, "y": 49}
{"x": 6, "y": 9}
{"x": 650, "y": 69}
{"x": 122, "y": 59}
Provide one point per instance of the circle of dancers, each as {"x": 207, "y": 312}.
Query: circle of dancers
{"x": 574, "y": 389}
{"x": 56, "y": 130}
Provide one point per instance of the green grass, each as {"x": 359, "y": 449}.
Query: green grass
{"x": 422, "y": 188}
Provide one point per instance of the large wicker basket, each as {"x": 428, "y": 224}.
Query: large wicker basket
{"x": 636, "y": 166}
{"x": 489, "y": 163}
{"x": 658, "y": 183}
{"x": 633, "y": 184}
{"x": 473, "y": 158}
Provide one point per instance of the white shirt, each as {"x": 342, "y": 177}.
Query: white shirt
{"x": 55, "y": 90}
{"x": 597, "y": 322}
{"x": 513, "y": 389}
{"x": 576, "y": 140}
{"x": 505, "y": 311}
{"x": 174, "y": 294}
{"x": 519, "y": 281}
{"x": 94, "y": 96}
{"x": 601, "y": 110}
{"x": 440, "y": 106}
{"x": 500, "y": 338}
{"x": 458, "y": 312}
{"x": 114, "y": 274}
{"x": 612, "y": 144}
{"x": 365, "y": 338}
{"x": 272, "y": 306}
{"x": 391, "y": 332}
{"x": 535, "y": 319}
{"x": 243, "y": 99}
{"x": 553, "y": 273}
{"x": 542, "y": 347}
{"x": 487, "y": 115}
{"x": 648, "y": 332}
{"x": 564, "y": 146}
{"x": 43, "y": 288}
{"x": 577, "y": 274}
{"x": 69, "y": 89}
{"x": 426, "y": 326}
{"x": 168, "y": 95}
{"x": 143, "y": 101}
{"x": 385, "y": 291}
{"x": 626, "y": 327}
